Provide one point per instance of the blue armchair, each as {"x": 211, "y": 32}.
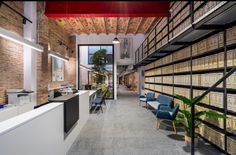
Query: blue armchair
{"x": 150, "y": 96}
{"x": 167, "y": 113}
{"x": 162, "y": 100}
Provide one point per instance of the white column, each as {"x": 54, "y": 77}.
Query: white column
{"x": 30, "y": 33}
{"x": 76, "y": 65}
{"x": 116, "y": 57}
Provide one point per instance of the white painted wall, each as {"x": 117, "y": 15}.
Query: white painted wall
{"x": 107, "y": 39}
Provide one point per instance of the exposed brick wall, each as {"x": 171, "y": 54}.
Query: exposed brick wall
{"x": 48, "y": 34}
{"x": 11, "y": 54}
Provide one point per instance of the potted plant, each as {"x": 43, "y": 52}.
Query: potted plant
{"x": 103, "y": 89}
{"x": 99, "y": 62}
{"x": 184, "y": 117}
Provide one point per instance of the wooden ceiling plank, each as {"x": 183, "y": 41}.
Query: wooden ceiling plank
{"x": 81, "y": 23}
{"x": 127, "y": 28}
{"x": 117, "y": 19}
{"x": 94, "y": 25}
{"x": 105, "y": 24}
{"x": 150, "y": 26}
{"x": 69, "y": 27}
{"x": 138, "y": 27}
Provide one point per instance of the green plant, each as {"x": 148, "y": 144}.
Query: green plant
{"x": 99, "y": 61}
{"x": 184, "y": 116}
{"x": 103, "y": 89}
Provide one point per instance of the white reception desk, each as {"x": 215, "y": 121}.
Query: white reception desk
{"x": 41, "y": 131}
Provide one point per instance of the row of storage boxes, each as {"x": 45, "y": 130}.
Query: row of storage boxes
{"x": 205, "y": 80}
{"x": 217, "y": 138}
{"x": 213, "y": 98}
{"x": 207, "y": 62}
{"x": 212, "y": 42}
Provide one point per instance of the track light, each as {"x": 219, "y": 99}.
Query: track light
{"x": 20, "y": 40}
{"x": 56, "y": 55}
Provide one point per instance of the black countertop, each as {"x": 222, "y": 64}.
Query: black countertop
{"x": 63, "y": 98}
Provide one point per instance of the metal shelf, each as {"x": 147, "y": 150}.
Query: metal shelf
{"x": 218, "y": 89}
{"x": 216, "y": 146}
{"x": 221, "y": 17}
{"x": 205, "y": 71}
{"x": 207, "y": 53}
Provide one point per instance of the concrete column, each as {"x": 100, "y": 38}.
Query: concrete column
{"x": 30, "y": 33}
{"x": 140, "y": 80}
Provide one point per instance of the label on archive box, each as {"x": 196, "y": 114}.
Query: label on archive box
{"x": 216, "y": 99}
{"x": 231, "y": 124}
{"x": 231, "y": 143}
{"x": 231, "y": 100}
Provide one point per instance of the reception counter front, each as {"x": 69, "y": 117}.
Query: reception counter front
{"x": 41, "y": 131}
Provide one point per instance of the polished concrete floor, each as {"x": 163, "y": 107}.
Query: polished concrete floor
{"x": 125, "y": 128}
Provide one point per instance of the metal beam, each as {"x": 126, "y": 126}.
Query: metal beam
{"x": 181, "y": 43}
{"x": 127, "y": 28}
{"x": 211, "y": 27}
{"x": 106, "y": 9}
{"x": 138, "y": 27}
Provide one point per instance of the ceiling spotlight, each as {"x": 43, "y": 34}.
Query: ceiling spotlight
{"x": 115, "y": 41}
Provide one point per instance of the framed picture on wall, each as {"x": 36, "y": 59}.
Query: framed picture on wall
{"x": 126, "y": 47}
{"x": 57, "y": 70}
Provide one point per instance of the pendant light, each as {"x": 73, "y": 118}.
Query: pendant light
{"x": 115, "y": 41}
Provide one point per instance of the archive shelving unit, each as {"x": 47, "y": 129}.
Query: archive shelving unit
{"x": 189, "y": 51}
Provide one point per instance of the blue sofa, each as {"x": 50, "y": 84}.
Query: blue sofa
{"x": 162, "y": 100}
{"x": 150, "y": 96}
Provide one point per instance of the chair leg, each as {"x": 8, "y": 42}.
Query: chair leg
{"x": 158, "y": 123}
{"x": 173, "y": 123}
{"x": 146, "y": 106}
{"x": 101, "y": 108}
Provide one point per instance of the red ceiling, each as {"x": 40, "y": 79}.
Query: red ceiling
{"x": 60, "y": 9}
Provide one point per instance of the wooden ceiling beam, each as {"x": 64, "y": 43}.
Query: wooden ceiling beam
{"x": 138, "y": 27}
{"x": 105, "y": 24}
{"x": 78, "y": 20}
{"x": 94, "y": 26}
{"x": 127, "y": 28}
{"x": 117, "y": 19}
{"x": 150, "y": 26}
{"x": 70, "y": 28}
